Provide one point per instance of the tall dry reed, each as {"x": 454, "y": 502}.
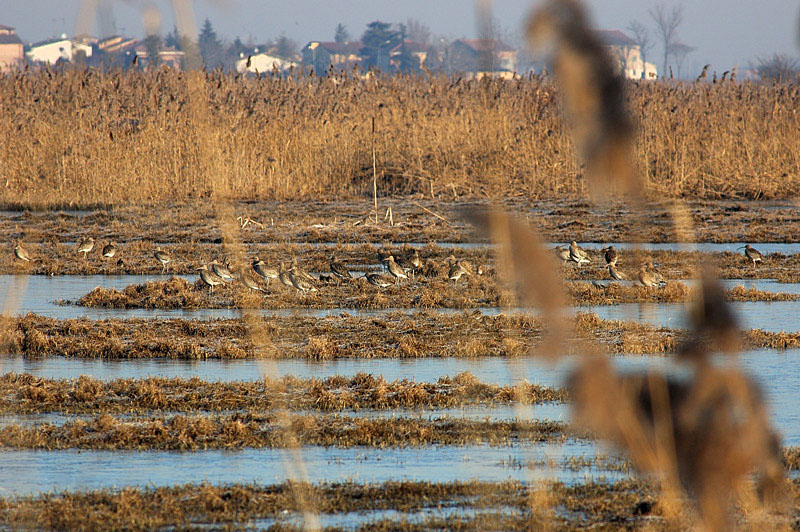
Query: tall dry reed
{"x": 77, "y": 138}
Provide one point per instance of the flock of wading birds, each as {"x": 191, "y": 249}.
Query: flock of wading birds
{"x": 293, "y": 276}
{"x": 216, "y": 273}
{"x": 647, "y": 275}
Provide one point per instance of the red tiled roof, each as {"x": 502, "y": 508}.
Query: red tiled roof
{"x": 614, "y": 38}
{"x": 486, "y": 45}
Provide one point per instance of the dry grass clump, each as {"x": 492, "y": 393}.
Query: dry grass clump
{"x": 613, "y": 293}
{"x": 24, "y": 393}
{"x": 255, "y": 430}
{"x": 295, "y": 137}
{"x": 173, "y": 293}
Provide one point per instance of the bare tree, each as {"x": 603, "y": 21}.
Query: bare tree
{"x": 641, "y": 36}
{"x": 667, "y": 22}
{"x": 778, "y": 67}
{"x": 679, "y": 51}
{"x": 417, "y": 31}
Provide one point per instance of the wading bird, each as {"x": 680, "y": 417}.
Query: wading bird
{"x": 646, "y": 277}
{"x": 377, "y": 279}
{"x": 610, "y": 254}
{"x": 85, "y": 246}
{"x": 395, "y": 269}
{"x": 109, "y": 250}
{"x": 616, "y": 274}
{"x": 752, "y": 253}
{"x": 209, "y": 277}
{"x": 562, "y": 253}
{"x": 577, "y": 254}
{"x": 21, "y": 253}
{"x": 222, "y": 271}
{"x": 339, "y": 270}
{"x": 164, "y": 258}
{"x": 300, "y": 281}
{"x": 263, "y": 270}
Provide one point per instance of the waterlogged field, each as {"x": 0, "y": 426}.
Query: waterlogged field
{"x": 123, "y": 385}
{"x": 152, "y": 378}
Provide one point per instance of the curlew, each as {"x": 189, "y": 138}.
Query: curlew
{"x": 164, "y": 258}
{"x": 383, "y": 256}
{"x": 397, "y": 271}
{"x": 339, "y": 270}
{"x": 300, "y": 282}
{"x": 209, "y": 277}
{"x": 457, "y": 269}
{"x": 610, "y": 254}
{"x": 647, "y": 278}
{"x": 247, "y": 279}
{"x": 85, "y": 246}
{"x": 222, "y": 271}
{"x": 109, "y": 250}
{"x": 752, "y": 253}
{"x": 655, "y": 273}
{"x": 562, "y": 253}
{"x": 301, "y": 273}
{"x": 263, "y": 270}
{"x": 284, "y": 277}
{"x": 616, "y": 274}
{"x": 577, "y": 254}
{"x": 21, "y": 253}
{"x": 378, "y": 280}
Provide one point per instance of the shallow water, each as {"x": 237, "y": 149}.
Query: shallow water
{"x": 773, "y": 316}
{"x": 773, "y": 370}
{"x": 37, "y": 294}
{"x": 30, "y": 472}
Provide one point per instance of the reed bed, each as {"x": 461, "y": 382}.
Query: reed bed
{"x": 257, "y": 430}
{"x": 299, "y": 137}
{"x": 28, "y": 394}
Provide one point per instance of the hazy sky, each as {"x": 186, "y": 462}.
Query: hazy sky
{"x": 725, "y": 32}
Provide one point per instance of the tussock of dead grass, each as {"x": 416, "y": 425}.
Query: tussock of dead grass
{"x": 254, "y": 430}
{"x": 25, "y": 393}
{"x": 613, "y": 293}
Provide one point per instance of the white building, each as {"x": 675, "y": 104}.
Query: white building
{"x": 53, "y": 50}
{"x": 262, "y": 64}
{"x": 628, "y": 55}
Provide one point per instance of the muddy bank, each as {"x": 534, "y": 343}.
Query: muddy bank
{"x": 347, "y": 221}
{"x": 23, "y": 394}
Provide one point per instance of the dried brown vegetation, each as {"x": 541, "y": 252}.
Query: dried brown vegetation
{"x": 28, "y": 394}
{"x": 300, "y": 137}
{"x": 255, "y": 430}
{"x": 397, "y": 335}
{"x": 595, "y": 505}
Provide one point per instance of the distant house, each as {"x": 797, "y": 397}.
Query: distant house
{"x": 416, "y": 49}
{"x": 116, "y": 44}
{"x": 167, "y": 56}
{"x": 483, "y": 57}
{"x": 263, "y": 63}
{"x": 11, "y": 49}
{"x": 322, "y": 55}
{"x": 53, "y": 50}
{"x": 628, "y": 55}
